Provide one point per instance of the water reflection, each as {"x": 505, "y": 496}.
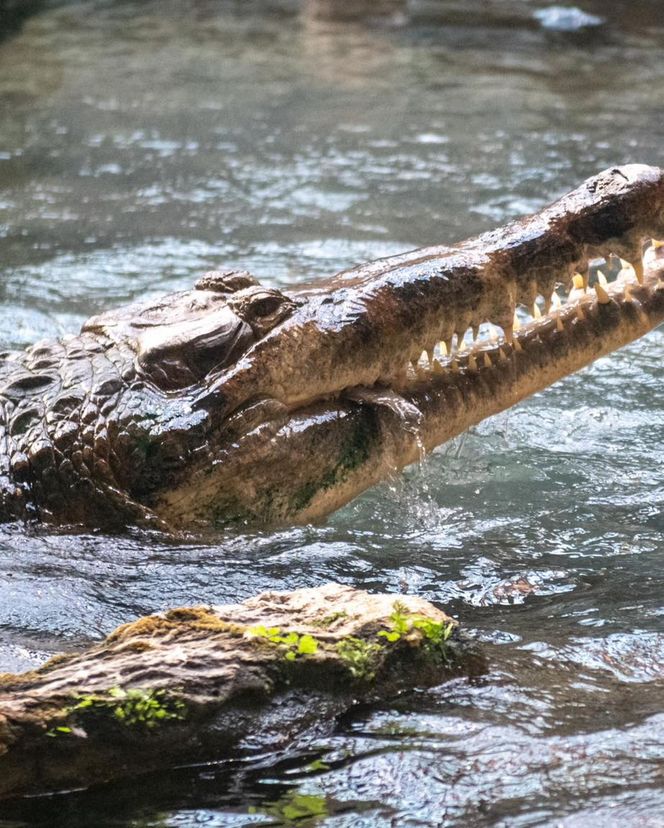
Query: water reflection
{"x": 141, "y": 145}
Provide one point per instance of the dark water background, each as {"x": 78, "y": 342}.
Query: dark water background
{"x": 142, "y": 143}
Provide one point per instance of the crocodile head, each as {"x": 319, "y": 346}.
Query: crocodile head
{"x": 236, "y": 401}
{"x": 371, "y": 366}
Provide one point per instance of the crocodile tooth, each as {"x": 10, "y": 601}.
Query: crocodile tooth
{"x": 559, "y": 324}
{"x": 444, "y": 350}
{"x": 657, "y": 244}
{"x": 578, "y": 281}
{"x": 579, "y": 312}
{"x": 487, "y": 360}
{"x": 472, "y": 363}
{"x": 601, "y": 278}
{"x": 537, "y": 313}
{"x": 437, "y": 367}
{"x": 508, "y": 330}
{"x": 454, "y": 366}
{"x": 502, "y": 356}
{"x": 602, "y": 296}
{"x": 461, "y": 344}
{"x": 429, "y": 355}
{"x": 517, "y": 346}
{"x": 556, "y": 304}
{"x": 636, "y": 269}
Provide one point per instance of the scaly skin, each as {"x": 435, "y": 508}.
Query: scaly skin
{"x": 233, "y": 402}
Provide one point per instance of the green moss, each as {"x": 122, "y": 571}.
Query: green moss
{"x": 294, "y": 645}
{"x": 435, "y": 633}
{"x": 328, "y": 620}
{"x": 295, "y": 808}
{"x": 360, "y": 657}
{"x": 135, "y": 708}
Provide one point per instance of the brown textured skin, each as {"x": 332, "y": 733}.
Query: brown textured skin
{"x": 230, "y": 401}
{"x": 239, "y": 694}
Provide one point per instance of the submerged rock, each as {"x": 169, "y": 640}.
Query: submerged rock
{"x": 195, "y": 684}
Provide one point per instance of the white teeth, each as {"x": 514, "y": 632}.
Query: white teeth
{"x": 635, "y": 269}
{"x": 449, "y": 347}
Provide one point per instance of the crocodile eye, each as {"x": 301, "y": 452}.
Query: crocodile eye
{"x": 266, "y": 305}
{"x": 260, "y": 307}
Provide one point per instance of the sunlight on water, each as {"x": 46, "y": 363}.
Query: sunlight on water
{"x": 142, "y": 144}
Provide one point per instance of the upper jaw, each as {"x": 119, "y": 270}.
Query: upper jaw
{"x": 368, "y": 329}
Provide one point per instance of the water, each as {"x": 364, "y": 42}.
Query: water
{"x": 143, "y": 143}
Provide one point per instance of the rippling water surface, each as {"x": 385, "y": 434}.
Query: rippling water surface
{"x": 144, "y": 142}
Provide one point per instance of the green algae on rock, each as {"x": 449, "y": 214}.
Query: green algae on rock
{"x": 195, "y": 684}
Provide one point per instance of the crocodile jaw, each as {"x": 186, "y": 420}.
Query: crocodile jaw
{"x": 328, "y": 452}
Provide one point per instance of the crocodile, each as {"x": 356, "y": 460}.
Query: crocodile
{"x": 235, "y": 402}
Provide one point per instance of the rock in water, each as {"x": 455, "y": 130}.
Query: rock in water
{"x": 194, "y": 684}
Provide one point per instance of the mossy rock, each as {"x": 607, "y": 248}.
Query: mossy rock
{"x": 191, "y": 683}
